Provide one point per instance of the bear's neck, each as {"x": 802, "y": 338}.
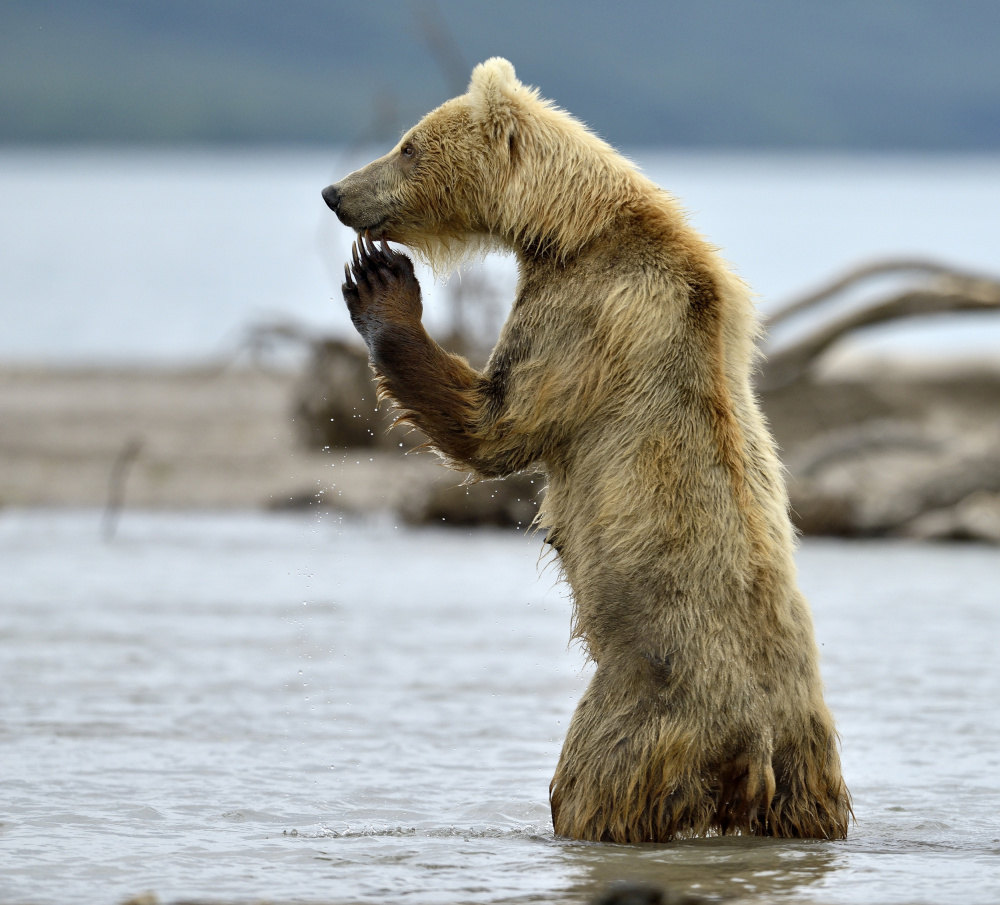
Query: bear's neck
{"x": 554, "y": 208}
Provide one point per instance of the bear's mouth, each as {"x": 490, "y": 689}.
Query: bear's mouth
{"x": 376, "y": 230}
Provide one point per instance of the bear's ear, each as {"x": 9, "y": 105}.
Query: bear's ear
{"x": 493, "y": 95}
{"x": 496, "y": 74}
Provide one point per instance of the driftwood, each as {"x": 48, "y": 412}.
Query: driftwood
{"x": 335, "y": 405}
{"x": 943, "y": 290}
{"x": 510, "y": 503}
{"x": 893, "y": 455}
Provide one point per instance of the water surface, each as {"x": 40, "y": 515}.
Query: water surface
{"x": 247, "y": 707}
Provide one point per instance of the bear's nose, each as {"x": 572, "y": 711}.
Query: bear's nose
{"x": 331, "y": 195}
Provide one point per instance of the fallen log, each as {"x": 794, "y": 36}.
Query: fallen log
{"x": 944, "y": 291}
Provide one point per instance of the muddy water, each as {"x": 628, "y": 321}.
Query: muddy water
{"x": 251, "y": 707}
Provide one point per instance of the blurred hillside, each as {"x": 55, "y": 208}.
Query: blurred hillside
{"x": 898, "y": 74}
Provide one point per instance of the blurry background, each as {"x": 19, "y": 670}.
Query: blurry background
{"x": 162, "y": 232}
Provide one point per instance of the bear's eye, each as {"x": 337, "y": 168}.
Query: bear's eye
{"x": 407, "y": 151}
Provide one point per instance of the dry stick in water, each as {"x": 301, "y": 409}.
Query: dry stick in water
{"x": 116, "y": 486}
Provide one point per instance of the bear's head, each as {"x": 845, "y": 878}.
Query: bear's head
{"x": 494, "y": 167}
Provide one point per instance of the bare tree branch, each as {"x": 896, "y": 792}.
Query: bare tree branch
{"x": 948, "y": 291}
{"x": 898, "y": 266}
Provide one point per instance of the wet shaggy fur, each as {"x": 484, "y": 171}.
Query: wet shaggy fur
{"x": 622, "y": 371}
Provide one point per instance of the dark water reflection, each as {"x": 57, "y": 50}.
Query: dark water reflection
{"x": 729, "y": 867}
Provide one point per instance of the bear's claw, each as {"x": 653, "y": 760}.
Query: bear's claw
{"x": 370, "y": 259}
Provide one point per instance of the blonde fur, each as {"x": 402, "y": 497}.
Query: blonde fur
{"x": 624, "y": 371}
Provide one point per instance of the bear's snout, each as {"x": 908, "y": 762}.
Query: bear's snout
{"x": 332, "y": 197}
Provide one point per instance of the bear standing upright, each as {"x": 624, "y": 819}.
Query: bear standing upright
{"x": 623, "y": 371}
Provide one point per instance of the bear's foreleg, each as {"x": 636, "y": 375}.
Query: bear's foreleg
{"x": 437, "y": 392}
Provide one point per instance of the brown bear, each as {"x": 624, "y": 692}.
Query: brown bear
{"x": 623, "y": 371}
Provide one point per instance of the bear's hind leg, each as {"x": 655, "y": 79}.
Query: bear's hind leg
{"x": 811, "y": 800}
{"x": 633, "y": 769}
{"x": 628, "y": 771}
{"x": 627, "y": 802}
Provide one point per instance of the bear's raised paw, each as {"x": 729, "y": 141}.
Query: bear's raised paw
{"x": 380, "y": 288}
